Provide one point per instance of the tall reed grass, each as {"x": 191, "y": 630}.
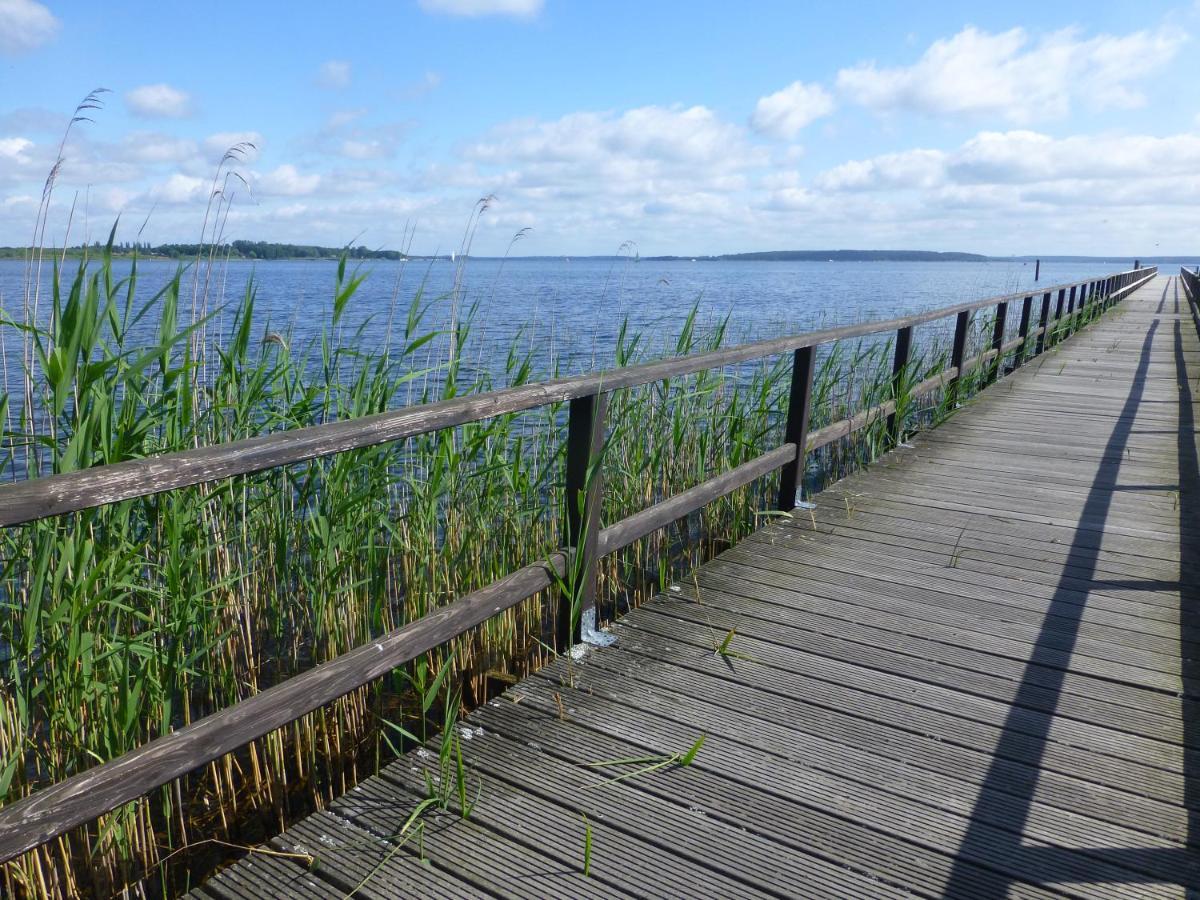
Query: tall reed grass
{"x": 121, "y": 623}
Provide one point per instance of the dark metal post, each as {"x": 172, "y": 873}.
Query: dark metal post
{"x": 1045, "y": 324}
{"x": 1023, "y": 331}
{"x": 585, "y": 442}
{"x": 791, "y": 479}
{"x": 1071, "y": 311}
{"x": 962, "y": 325}
{"x": 1037, "y": 269}
{"x": 997, "y": 342}
{"x": 895, "y": 423}
{"x": 1058, "y": 311}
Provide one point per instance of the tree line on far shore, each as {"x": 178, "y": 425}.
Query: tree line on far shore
{"x": 235, "y": 249}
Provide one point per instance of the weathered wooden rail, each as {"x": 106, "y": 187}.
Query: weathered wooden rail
{"x": 25, "y": 824}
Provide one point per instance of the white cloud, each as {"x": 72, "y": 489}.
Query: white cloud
{"x": 180, "y": 188}
{"x": 371, "y": 149}
{"x": 976, "y": 73}
{"x": 15, "y": 149}
{"x": 159, "y": 101}
{"x": 286, "y": 181}
{"x": 522, "y": 9}
{"x": 159, "y": 148}
{"x": 784, "y": 113}
{"x": 334, "y": 74}
{"x": 1026, "y": 157}
{"x": 25, "y": 25}
{"x": 646, "y": 138}
{"x": 249, "y": 144}
{"x": 1016, "y": 168}
{"x": 911, "y": 169}
{"x": 344, "y": 134}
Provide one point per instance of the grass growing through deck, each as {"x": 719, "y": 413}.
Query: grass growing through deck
{"x": 120, "y": 624}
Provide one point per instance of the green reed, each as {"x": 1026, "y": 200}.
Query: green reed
{"x": 122, "y": 623}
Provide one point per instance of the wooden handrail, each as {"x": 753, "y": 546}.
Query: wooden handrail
{"x": 1191, "y": 285}
{"x": 53, "y": 495}
{"x": 81, "y": 798}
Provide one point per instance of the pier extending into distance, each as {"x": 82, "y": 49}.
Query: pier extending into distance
{"x": 971, "y": 670}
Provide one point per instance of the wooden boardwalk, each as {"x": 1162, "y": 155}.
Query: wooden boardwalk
{"x": 972, "y": 671}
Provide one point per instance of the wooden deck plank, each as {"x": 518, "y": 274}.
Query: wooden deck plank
{"x": 973, "y": 670}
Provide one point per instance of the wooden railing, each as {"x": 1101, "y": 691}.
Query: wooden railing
{"x": 1191, "y": 287}
{"x": 81, "y": 798}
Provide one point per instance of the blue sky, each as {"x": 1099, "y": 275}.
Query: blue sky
{"x": 684, "y": 128}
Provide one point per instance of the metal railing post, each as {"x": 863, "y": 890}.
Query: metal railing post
{"x": 791, "y": 478}
{"x": 962, "y": 327}
{"x": 997, "y": 342}
{"x": 584, "y": 485}
{"x": 1058, "y": 315}
{"x": 1044, "y": 325}
{"x": 1023, "y": 332}
{"x": 895, "y": 421}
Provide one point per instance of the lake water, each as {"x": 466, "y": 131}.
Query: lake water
{"x": 570, "y": 310}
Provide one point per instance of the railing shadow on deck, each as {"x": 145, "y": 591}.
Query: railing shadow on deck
{"x": 1048, "y": 666}
{"x": 1189, "y": 521}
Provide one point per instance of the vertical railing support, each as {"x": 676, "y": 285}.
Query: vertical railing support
{"x": 1071, "y": 311}
{"x": 791, "y": 478}
{"x": 997, "y": 342}
{"x": 895, "y": 422}
{"x": 1044, "y": 325}
{"x": 1023, "y": 332}
{"x": 1058, "y": 314}
{"x": 585, "y": 444}
{"x": 962, "y": 326}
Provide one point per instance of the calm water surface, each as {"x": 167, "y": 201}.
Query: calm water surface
{"x": 570, "y": 310}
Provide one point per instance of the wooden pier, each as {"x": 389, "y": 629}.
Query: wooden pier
{"x": 972, "y": 670}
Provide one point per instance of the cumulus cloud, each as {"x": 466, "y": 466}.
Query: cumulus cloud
{"x": 181, "y": 188}
{"x": 15, "y": 149}
{"x": 151, "y": 147}
{"x": 249, "y": 144}
{"x": 346, "y": 134}
{"x": 286, "y": 181}
{"x": 786, "y": 112}
{"x": 521, "y": 9}
{"x": 334, "y": 74}
{"x": 25, "y": 25}
{"x": 651, "y": 137}
{"x": 158, "y": 101}
{"x": 1023, "y": 165}
{"x": 1011, "y": 75}
{"x": 910, "y": 169}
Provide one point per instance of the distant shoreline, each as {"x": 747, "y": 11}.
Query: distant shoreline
{"x": 259, "y": 251}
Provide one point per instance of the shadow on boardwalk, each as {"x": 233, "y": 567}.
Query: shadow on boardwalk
{"x": 1052, "y": 656}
